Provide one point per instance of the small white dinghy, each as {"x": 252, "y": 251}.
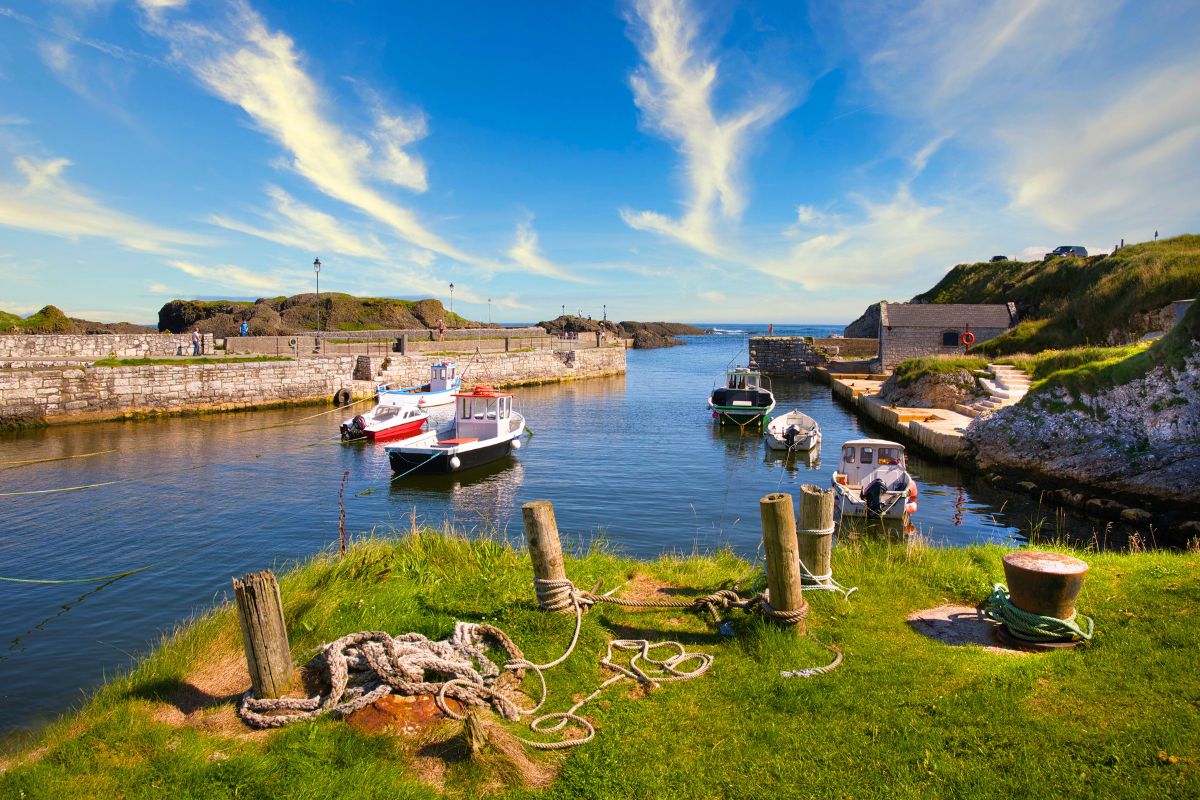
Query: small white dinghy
{"x": 793, "y": 431}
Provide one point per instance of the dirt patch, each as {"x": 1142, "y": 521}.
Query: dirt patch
{"x": 958, "y": 626}
{"x": 207, "y": 700}
{"x": 642, "y": 587}
{"x": 491, "y": 746}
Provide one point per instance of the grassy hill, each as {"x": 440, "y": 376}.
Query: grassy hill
{"x": 278, "y": 316}
{"x": 1071, "y": 302}
{"x": 51, "y": 319}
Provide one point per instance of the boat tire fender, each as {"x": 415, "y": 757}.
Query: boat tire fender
{"x": 341, "y": 397}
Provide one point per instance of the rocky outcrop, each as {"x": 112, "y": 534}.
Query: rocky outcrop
{"x": 938, "y": 390}
{"x": 645, "y": 335}
{"x": 866, "y": 326}
{"x": 283, "y": 316}
{"x": 1139, "y": 439}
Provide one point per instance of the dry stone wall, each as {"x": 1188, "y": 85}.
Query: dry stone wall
{"x": 799, "y": 355}
{"x": 104, "y": 345}
{"x": 500, "y": 369}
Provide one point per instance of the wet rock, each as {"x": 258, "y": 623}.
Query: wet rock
{"x": 1027, "y": 486}
{"x": 1137, "y": 516}
{"x": 1104, "y": 508}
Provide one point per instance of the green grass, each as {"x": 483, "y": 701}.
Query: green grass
{"x": 153, "y": 362}
{"x": 1089, "y": 370}
{"x": 47, "y": 320}
{"x": 904, "y": 716}
{"x": 1070, "y": 302}
{"x": 906, "y": 372}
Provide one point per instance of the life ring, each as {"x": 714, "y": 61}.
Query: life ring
{"x": 291, "y": 342}
{"x": 341, "y": 397}
{"x": 967, "y": 338}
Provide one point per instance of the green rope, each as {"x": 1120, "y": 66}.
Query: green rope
{"x": 1032, "y": 627}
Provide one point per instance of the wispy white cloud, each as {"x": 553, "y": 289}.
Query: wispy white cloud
{"x": 47, "y": 203}
{"x": 673, "y": 89}
{"x": 526, "y": 256}
{"x": 241, "y": 279}
{"x": 262, "y": 72}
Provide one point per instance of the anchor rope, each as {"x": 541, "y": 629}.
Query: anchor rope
{"x": 1032, "y": 627}
{"x": 825, "y": 581}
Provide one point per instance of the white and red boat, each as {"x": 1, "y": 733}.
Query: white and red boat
{"x": 444, "y": 381}
{"x": 390, "y": 419}
{"x": 485, "y": 428}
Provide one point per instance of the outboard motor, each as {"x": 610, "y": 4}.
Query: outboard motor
{"x": 872, "y": 495}
{"x": 354, "y": 428}
{"x": 789, "y": 436}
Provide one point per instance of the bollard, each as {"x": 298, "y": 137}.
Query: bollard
{"x": 783, "y": 558}
{"x": 815, "y": 533}
{"x": 260, "y": 611}
{"x": 1044, "y": 583}
{"x": 545, "y": 548}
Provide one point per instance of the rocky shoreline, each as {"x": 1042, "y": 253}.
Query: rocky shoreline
{"x": 645, "y": 335}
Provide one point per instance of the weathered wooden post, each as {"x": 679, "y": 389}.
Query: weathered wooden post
{"x": 783, "y": 558}
{"x": 815, "y": 534}
{"x": 507, "y": 343}
{"x": 545, "y": 551}
{"x": 260, "y": 610}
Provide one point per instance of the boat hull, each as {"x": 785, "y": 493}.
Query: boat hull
{"x": 849, "y": 503}
{"x": 403, "y": 431}
{"x": 423, "y": 462}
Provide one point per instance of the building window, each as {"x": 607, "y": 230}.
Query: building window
{"x": 949, "y": 338}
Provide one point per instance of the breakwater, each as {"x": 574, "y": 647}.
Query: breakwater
{"x": 83, "y": 393}
{"x": 108, "y": 345}
{"x": 795, "y": 356}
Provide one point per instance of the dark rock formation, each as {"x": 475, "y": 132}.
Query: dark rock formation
{"x": 645, "y": 335}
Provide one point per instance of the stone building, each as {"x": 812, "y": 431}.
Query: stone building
{"x": 911, "y": 330}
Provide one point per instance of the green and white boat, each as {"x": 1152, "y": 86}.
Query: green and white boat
{"x": 742, "y": 400}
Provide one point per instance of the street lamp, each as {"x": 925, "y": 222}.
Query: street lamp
{"x": 452, "y": 298}
{"x": 317, "y": 269}
{"x": 605, "y": 307}
{"x": 564, "y": 309}
{"x": 489, "y": 311}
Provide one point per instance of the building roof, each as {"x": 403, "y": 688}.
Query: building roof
{"x": 948, "y": 315}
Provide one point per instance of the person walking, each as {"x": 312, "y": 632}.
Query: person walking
{"x": 245, "y": 329}
{"x": 441, "y": 330}
{"x": 195, "y": 341}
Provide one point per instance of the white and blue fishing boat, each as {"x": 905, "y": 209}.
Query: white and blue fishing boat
{"x": 742, "y": 400}
{"x": 485, "y": 428}
{"x": 444, "y": 381}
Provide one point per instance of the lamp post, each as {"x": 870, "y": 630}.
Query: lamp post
{"x": 605, "y": 307}
{"x": 564, "y": 309}
{"x": 489, "y": 311}
{"x": 317, "y": 269}
{"x": 452, "y": 298}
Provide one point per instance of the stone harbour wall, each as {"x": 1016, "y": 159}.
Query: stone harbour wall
{"x": 104, "y": 345}
{"x": 79, "y": 394}
{"x": 800, "y": 355}
{"x": 75, "y": 394}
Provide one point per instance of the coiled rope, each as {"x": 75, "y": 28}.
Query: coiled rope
{"x": 1033, "y": 627}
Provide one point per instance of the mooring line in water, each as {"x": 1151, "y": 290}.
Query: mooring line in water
{"x": 65, "y": 488}
{"x": 305, "y": 419}
{"x": 55, "y": 458}
{"x": 371, "y": 489}
{"x": 102, "y": 578}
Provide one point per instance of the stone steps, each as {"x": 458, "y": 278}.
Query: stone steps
{"x": 1007, "y": 388}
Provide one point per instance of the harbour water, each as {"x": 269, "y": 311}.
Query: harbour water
{"x": 635, "y": 461}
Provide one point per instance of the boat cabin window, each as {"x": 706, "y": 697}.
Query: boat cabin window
{"x": 866, "y": 455}
{"x": 888, "y": 456}
{"x": 848, "y": 455}
{"x": 484, "y": 407}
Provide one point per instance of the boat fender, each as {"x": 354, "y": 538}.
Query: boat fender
{"x": 455, "y": 462}
{"x": 910, "y": 507}
{"x": 341, "y": 397}
{"x": 516, "y": 444}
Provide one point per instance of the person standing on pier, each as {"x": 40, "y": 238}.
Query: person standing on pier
{"x": 195, "y": 341}
{"x": 441, "y": 330}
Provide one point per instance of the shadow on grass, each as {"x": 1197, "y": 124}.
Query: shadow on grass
{"x": 185, "y": 696}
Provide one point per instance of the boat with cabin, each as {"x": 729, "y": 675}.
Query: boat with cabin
{"x": 485, "y": 428}
{"x": 742, "y": 400}
{"x": 794, "y": 430}
{"x": 444, "y": 381}
{"x": 389, "y": 419}
{"x": 872, "y": 481}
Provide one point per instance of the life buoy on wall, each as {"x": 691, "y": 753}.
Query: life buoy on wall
{"x": 341, "y": 397}
{"x": 967, "y": 338}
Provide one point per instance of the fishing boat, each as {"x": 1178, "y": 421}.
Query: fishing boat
{"x": 485, "y": 428}
{"x": 742, "y": 400}
{"x": 793, "y": 431}
{"x": 390, "y": 419}
{"x": 872, "y": 481}
{"x": 444, "y": 381}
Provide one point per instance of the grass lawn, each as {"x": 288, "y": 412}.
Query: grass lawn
{"x": 910, "y": 370}
{"x": 904, "y": 716}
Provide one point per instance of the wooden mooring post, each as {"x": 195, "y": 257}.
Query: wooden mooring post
{"x": 783, "y": 558}
{"x": 545, "y": 548}
{"x": 815, "y": 533}
{"x": 260, "y": 611}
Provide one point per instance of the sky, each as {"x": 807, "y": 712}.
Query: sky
{"x": 641, "y": 159}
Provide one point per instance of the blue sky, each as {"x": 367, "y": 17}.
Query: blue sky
{"x": 705, "y": 161}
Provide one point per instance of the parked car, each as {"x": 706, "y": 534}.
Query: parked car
{"x": 994, "y": 259}
{"x": 1067, "y": 251}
